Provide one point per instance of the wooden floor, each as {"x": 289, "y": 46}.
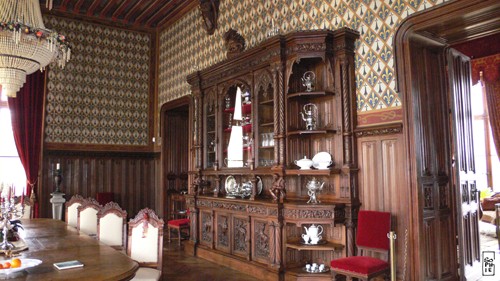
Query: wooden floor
{"x": 179, "y": 267}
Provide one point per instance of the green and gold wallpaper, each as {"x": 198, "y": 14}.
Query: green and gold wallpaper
{"x": 102, "y": 95}
{"x": 185, "y": 46}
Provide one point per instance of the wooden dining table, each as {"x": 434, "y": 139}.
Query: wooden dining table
{"x": 53, "y": 241}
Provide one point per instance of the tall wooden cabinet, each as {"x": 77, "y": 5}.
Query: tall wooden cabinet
{"x": 247, "y": 229}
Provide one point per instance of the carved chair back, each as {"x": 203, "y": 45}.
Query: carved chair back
{"x": 71, "y": 216}
{"x": 87, "y": 216}
{"x": 145, "y": 239}
{"x": 111, "y": 225}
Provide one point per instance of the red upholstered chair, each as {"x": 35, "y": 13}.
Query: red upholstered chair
{"x": 179, "y": 225}
{"x": 104, "y": 197}
{"x": 373, "y": 228}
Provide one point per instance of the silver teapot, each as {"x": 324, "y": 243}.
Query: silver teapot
{"x": 310, "y": 115}
{"x": 313, "y": 187}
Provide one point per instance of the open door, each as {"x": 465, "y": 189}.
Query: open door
{"x": 467, "y": 206}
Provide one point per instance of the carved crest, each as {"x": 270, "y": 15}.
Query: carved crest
{"x": 210, "y": 14}
{"x": 235, "y": 43}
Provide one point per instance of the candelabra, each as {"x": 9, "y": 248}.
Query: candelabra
{"x": 9, "y": 213}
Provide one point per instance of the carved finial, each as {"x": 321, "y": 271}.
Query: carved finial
{"x": 235, "y": 43}
{"x": 210, "y": 13}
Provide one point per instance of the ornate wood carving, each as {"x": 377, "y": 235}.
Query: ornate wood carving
{"x": 307, "y": 214}
{"x": 241, "y": 235}
{"x": 272, "y": 65}
{"x": 235, "y": 43}
{"x": 379, "y": 130}
{"x": 210, "y": 14}
{"x": 278, "y": 191}
{"x": 206, "y": 227}
{"x": 222, "y": 231}
{"x": 262, "y": 240}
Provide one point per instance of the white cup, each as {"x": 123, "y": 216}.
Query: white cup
{"x": 308, "y": 267}
{"x": 306, "y": 238}
{"x": 314, "y": 267}
{"x": 321, "y": 267}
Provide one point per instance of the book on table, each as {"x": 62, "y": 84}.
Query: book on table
{"x": 68, "y": 264}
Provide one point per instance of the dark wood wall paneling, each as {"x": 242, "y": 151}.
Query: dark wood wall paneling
{"x": 132, "y": 177}
{"x": 381, "y": 176}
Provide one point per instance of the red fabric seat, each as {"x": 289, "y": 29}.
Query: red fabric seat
{"x": 373, "y": 228}
{"x": 178, "y": 222}
{"x": 363, "y": 265}
{"x": 179, "y": 225}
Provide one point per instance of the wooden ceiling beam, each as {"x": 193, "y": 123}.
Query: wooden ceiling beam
{"x": 161, "y": 12}
{"x": 64, "y": 5}
{"x": 178, "y": 12}
{"x": 106, "y": 9}
{"x": 133, "y": 10}
{"x": 93, "y": 6}
{"x": 148, "y": 11}
{"x": 120, "y": 9}
{"x": 78, "y": 5}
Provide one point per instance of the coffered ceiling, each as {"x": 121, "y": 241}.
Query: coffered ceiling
{"x": 131, "y": 14}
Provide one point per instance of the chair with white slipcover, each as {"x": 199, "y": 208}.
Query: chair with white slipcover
{"x": 72, "y": 210}
{"x": 111, "y": 225}
{"x": 87, "y": 216}
{"x": 145, "y": 244}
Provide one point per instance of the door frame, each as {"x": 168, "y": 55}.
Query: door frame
{"x": 171, "y": 105}
{"x": 451, "y": 23}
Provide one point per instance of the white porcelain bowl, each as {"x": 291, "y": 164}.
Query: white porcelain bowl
{"x": 304, "y": 164}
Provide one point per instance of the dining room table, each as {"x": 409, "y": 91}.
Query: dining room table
{"x": 52, "y": 241}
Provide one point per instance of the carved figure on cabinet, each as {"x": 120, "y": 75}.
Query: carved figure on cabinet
{"x": 278, "y": 191}
{"x": 210, "y": 14}
{"x": 235, "y": 43}
{"x": 262, "y": 241}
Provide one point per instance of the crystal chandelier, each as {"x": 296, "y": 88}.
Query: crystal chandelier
{"x": 25, "y": 44}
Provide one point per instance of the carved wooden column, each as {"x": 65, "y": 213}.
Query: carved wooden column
{"x": 345, "y": 86}
{"x": 197, "y": 143}
{"x": 279, "y": 114}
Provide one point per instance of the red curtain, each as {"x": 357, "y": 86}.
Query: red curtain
{"x": 27, "y": 123}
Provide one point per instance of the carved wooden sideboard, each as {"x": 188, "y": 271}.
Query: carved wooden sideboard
{"x": 260, "y": 231}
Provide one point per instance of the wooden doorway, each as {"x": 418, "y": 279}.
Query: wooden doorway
{"x": 175, "y": 156}
{"x": 435, "y": 181}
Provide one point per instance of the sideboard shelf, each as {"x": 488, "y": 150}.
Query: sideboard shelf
{"x": 310, "y": 94}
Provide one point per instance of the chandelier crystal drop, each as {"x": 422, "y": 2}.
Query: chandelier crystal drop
{"x": 25, "y": 44}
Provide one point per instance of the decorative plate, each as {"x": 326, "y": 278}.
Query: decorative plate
{"x": 231, "y": 186}
{"x": 25, "y": 263}
{"x": 321, "y": 157}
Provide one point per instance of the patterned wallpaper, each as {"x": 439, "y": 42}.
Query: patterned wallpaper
{"x": 102, "y": 95}
{"x": 185, "y": 46}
